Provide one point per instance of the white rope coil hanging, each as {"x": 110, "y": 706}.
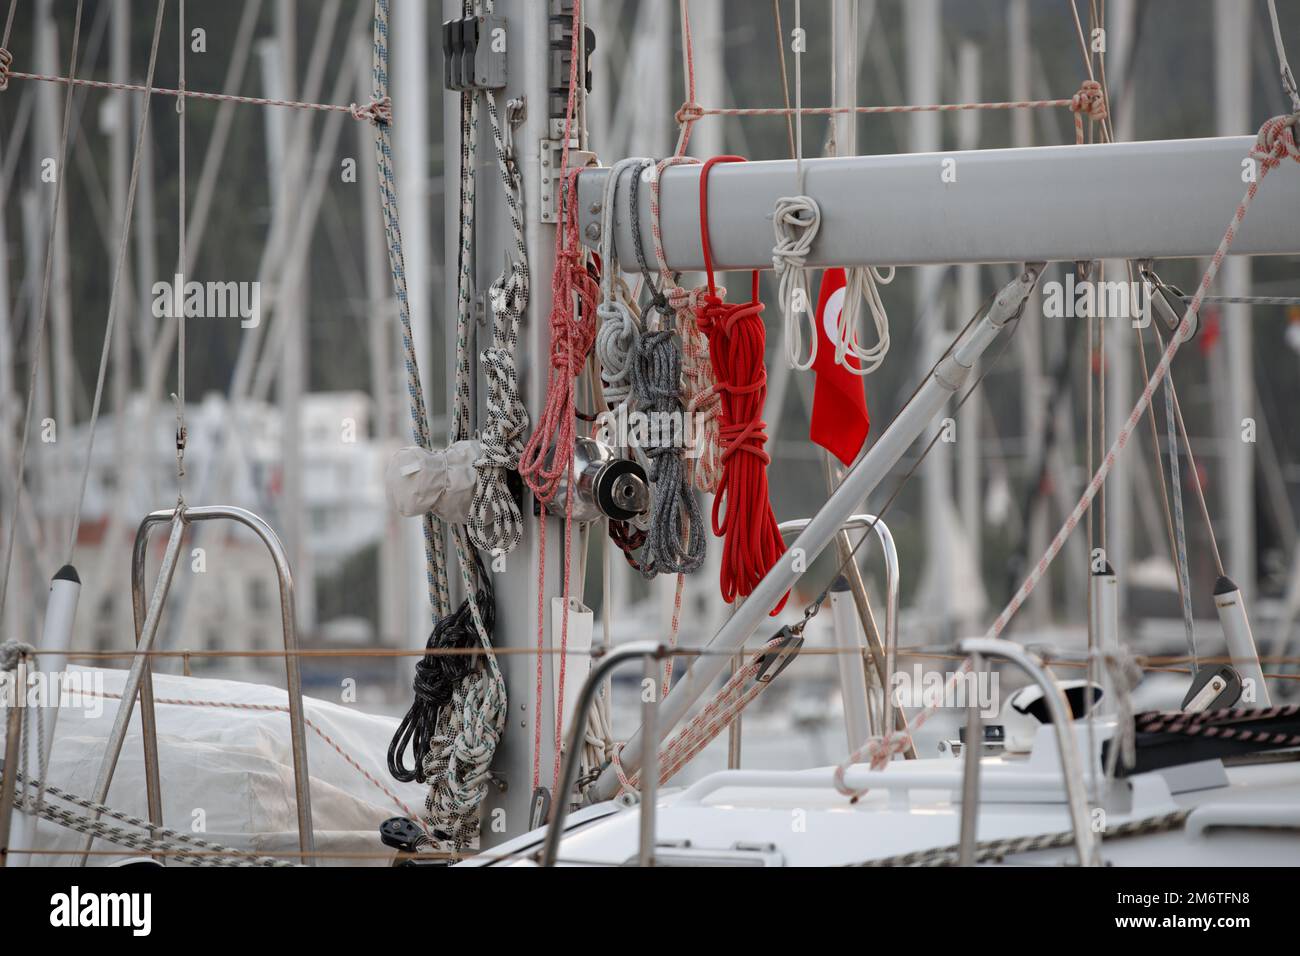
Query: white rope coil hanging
{"x": 796, "y": 220}
{"x": 862, "y": 285}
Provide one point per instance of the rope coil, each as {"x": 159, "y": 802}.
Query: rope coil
{"x": 437, "y": 680}
{"x": 737, "y": 342}
{"x": 699, "y": 386}
{"x": 675, "y": 540}
{"x": 862, "y": 286}
{"x": 796, "y": 220}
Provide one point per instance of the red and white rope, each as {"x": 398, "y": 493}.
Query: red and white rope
{"x": 574, "y": 295}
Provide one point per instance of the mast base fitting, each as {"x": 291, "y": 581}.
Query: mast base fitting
{"x": 607, "y": 486}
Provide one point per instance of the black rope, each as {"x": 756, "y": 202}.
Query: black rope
{"x": 436, "y": 678}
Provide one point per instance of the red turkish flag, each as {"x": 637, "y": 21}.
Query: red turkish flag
{"x": 839, "y": 416}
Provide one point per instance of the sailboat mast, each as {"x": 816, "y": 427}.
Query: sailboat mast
{"x": 537, "y": 33}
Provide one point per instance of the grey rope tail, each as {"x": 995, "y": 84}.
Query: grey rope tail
{"x": 675, "y": 540}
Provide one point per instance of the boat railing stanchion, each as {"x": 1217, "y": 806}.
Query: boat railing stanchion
{"x": 148, "y": 715}
{"x": 602, "y": 667}
{"x": 13, "y": 747}
{"x": 883, "y": 658}
{"x": 972, "y": 751}
{"x": 649, "y": 760}
{"x": 1059, "y": 709}
{"x": 140, "y": 682}
{"x": 736, "y": 729}
{"x": 135, "y": 675}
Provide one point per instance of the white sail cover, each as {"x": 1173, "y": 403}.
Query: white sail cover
{"x": 229, "y": 769}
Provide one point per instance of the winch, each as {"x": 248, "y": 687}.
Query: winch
{"x": 607, "y": 486}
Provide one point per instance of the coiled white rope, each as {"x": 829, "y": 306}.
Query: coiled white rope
{"x": 862, "y": 285}
{"x": 618, "y": 330}
{"x": 796, "y": 220}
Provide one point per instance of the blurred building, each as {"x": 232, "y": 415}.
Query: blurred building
{"x": 225, "y": 592}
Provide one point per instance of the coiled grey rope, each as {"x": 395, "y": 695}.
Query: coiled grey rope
{"x": 675, "y": 540}
{"x": 617, "y": 331}
{"x": 11, "y": 651}
{"x": 617, "y": 335}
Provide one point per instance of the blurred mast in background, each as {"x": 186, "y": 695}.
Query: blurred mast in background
{"x": 1233, "y": 386}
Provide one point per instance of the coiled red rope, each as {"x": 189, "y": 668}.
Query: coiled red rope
{"x": 742, "y": 511}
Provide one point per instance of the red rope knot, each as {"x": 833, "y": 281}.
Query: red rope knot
{"x": 569, "y": 352}
{"x": 1276, "y": 141}
{"x": 679, "y": 299}
{"x": 6, "y": 61}
{"x": 689, "y": 112}
{"x": 379, "y": 112}
{"x": 1089, "y": 100}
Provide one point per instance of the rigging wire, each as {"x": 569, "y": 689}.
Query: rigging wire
{"x": 181, "y": 204}
{"x": 1288, "y": 78}
{"x": 123, "y": 242}
{"x": 815, "y": 606}
{"x": 1180, "y": 521}
{"x": 43, "y": 310}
